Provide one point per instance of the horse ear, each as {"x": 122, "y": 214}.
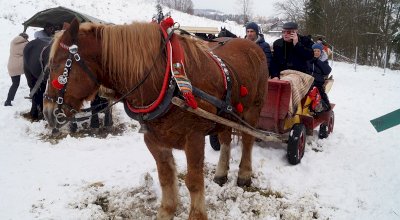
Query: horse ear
{"x": 66, "y": 26}
{"x": 73, "y": 29}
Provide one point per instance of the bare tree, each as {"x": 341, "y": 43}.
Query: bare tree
{"x": 245, "y": 9}
{"x": 294, "y": 10}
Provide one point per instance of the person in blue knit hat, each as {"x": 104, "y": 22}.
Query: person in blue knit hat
{"x": 319, "y": 68}
{"x": 253, "y": 34}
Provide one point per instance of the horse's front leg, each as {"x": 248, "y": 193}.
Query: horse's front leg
{"x": 194, "y": 149}
{"x": 167, "y": 176}
{"x": 221, "y": 174}
{"x": 245, "y": 167}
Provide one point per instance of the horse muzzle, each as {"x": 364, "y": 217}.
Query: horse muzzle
{"x": 54, "y": 116}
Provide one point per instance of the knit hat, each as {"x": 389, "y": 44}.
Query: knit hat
{"x": 253, "y": 26}
{"x": 317, "y": 46}
{"x": 290, "y": 26}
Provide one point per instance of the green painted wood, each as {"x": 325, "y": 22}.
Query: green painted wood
{"x": 386, "y": 121}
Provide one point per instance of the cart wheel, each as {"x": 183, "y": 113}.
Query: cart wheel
{"x": 296, "y": 143}
{"x": 215, "y": 142}
{"x": 326, "y": 128}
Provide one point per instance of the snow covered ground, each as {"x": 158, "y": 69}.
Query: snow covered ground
{"x": 353, "y": 174}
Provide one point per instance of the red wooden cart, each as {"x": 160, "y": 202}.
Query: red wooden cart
{"x": 274, "y": 118}
{"x": 275, "y": 123}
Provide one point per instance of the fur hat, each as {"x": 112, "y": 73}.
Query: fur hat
{"x": 317, "y": 46}
{"x": 290, "y": 26}
{"x": 253, "y": 26}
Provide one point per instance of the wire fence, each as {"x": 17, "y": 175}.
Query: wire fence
{"x": 336, "y": 56}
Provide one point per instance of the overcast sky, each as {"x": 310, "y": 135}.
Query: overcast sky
{"x": 259, "y": 7}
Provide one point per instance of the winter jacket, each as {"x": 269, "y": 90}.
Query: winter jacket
{"x": 42, "y": 35}
{"x": 319, "y": 70}
{"x": 265, "y": 47}
{"x": 287, "y": 56}
{"x": 15, "y": 61}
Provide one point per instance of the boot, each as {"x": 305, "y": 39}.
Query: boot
{"x": 7, "y": 103}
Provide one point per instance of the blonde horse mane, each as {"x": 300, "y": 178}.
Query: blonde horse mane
{"x": 128, "y": 51}
{"x": 132, "y": 49}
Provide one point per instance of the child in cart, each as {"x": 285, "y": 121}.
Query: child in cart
{"x": 320, "y": 69}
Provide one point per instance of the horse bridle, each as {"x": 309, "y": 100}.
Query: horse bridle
{"x": 59, "y": 113}
{"x": 62, "y": 80}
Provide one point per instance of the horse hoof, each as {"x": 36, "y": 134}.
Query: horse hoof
{"x": 73, "y": 127}
{"x": 55, "y": 131}
{"x": 243, "y": 182}
{"x": 220, "y": 180}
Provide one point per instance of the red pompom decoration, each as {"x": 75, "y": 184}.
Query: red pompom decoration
{"x": 57, "y": 84}
{"x": 169, "y": 22}
{"x": 243, "y": 91}
{"x": 239, "y": 107}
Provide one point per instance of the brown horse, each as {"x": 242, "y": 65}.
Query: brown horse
{"x": 118, "y": 56}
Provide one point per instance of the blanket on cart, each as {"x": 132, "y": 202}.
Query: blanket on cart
{"x": 300, "y": 84}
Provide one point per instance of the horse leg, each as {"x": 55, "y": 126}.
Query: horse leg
{"x": 245, "y": 169}
{"x": 39, "y": 101}
{"x": 194, "y": 149}
{"x": 94, "y": 120}
{"x": 108, "y": 121}
{"x": 34, "y": 108}
{"x": 245, "y": 166}
{"x": 73, "y": 126}
{"x": 221, "y": 174}
{"x": 168, "y": 178}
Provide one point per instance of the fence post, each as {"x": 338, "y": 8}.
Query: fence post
{"x": 384, "y": 65}
{"x": 355, "y": 60}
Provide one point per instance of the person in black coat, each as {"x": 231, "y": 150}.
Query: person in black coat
{"x": 319, "y": 68}
{"x": 253, "y": 34}
{"x": 292, "y": 51}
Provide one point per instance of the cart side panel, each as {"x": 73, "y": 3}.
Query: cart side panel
{"x": 276, "y": 106}
{"x": 312, "y": 122}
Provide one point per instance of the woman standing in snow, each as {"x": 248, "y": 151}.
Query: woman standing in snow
{"x": 16, "y": 65}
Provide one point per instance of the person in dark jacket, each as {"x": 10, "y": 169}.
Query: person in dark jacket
{"x": 292, "y": 51}
{"x": 46, "y": 34}
{"x": 253, "y": 34}
{"x": 319, "y": 68}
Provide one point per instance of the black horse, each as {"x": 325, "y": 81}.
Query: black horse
{"x": 204, "y": 36}
{"x": 36, "y": 57}
{"x": 226, "y": 33}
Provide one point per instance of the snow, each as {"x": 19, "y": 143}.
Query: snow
{"x": 353, "y": 174}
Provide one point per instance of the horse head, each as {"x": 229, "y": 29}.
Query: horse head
{"x": 75, "y": 61}
{"x": 226, "y": 33}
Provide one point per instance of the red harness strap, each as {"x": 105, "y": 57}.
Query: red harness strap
{"x": 175, "y": 61}
{"x": 157, "y": 102}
